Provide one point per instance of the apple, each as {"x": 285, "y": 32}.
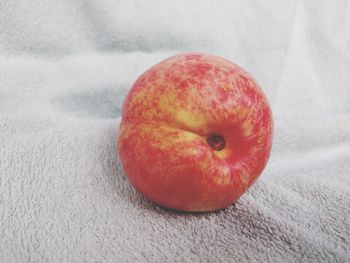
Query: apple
{"x": 195, "y": 134}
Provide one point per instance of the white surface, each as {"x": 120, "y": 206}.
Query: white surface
{"x": 65, "y": 67}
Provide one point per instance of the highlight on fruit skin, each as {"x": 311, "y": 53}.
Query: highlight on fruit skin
{"x": 196, "y": 132}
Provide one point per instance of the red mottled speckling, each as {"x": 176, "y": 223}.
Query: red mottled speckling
{"x": 167, "y": 117}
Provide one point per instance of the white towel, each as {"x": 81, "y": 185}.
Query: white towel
{"x": 65, "y": 68}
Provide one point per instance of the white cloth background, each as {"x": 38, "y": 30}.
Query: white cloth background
{"x": 65, "y": 67}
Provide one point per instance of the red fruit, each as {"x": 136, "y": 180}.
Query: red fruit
{"x": 196, "y": 132}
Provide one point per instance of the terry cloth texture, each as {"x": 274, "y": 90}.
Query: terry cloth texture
{"x": 65, "y": 68}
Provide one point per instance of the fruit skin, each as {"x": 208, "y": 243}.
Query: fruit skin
{"x": 169, "y": 115}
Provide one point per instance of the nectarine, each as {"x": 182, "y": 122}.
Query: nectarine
{"x": 196, "y": 132}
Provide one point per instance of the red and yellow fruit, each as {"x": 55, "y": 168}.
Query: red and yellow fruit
{"x": 195, "y": 134}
